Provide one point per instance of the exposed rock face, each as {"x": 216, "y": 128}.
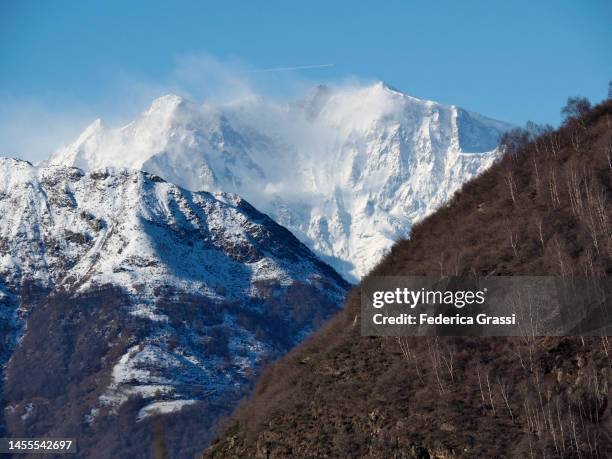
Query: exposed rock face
{"x": 123, "y": 296}
{"x": 347, "y": 170}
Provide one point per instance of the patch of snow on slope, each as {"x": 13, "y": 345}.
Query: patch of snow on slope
{"x": 196, "y": 273}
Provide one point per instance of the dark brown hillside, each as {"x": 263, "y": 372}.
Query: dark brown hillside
{"x": 543, "y": 209}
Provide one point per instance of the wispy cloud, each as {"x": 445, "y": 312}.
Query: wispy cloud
{"x": 203, "y": 76}
{"x": 33, "y": 127}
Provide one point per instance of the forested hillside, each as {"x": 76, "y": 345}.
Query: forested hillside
{"x": 543, "y": 209}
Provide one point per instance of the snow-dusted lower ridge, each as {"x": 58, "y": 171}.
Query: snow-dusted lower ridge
{"x": 123, "y": 296}
{"x": 347, "y": 170}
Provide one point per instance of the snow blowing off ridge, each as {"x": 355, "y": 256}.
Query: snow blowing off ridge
{"x": 347, "y": 170}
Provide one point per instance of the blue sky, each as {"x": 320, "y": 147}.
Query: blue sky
{"x": 62, "y": 63}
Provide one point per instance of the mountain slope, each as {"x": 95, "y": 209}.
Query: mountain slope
{"x": 124, "y": 296}
{"x": 542, "y": 210}
{"x": 347, "y": 170}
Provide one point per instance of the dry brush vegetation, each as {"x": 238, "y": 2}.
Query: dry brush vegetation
{"x": 543, "y": 209}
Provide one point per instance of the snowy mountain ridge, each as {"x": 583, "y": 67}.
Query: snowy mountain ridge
{"x": 347, "y": 170}
{"x": 172, "y": 296}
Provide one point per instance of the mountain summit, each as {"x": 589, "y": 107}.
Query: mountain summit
{"x": 123, "y": 296}
{"x": 347, "y": 170}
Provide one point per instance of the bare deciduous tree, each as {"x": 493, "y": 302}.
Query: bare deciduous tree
{"x": 554, "y": 192}
{"x": 510, "y": 182}
{"x": 513, "y": 242}
{"x": 539, "y": 226}
{"x": 575, "y": 109}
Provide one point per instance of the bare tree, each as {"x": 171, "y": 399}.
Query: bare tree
{"x": 449, "y": 361}
{"x": 514, "y": 140}
{"x": 574, "y": 137}
{"x": 504, "y": 393}
{"x": 554, "y": 192}
{"x": 436, "y": 361}
{"x": 539, "y": 225}
{"x": 490, "y": 394}
{"x": 575, "y": 108}
{"x": 409, "y": 355}
{"x": 555, "y": 143}
{"x": 480, "y": 385}
{"x": 535, "y": 168}
{"x": 574, "y": 180}
{"x": 510, "y": 182}
{"x": 513, "y": 242}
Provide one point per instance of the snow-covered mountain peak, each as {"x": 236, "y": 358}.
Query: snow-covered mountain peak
{"x": 386, "y": 89}
{"x": 170, "y": 108}
{"x": 166, "y": 102}
{"x": 365, "y": 108}
{"x": 347, "y": 169}
{"x": 359, "y": 108}
{"x": 129, "y": 286}
{"x": 383, "y": 89}
{"x": 91, "y": 130}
